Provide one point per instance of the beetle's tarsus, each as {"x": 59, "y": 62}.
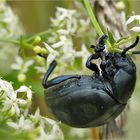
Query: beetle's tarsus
{"x": 136, "y": 52}
{"x": 101, "y": 45}
{"x": 101, "y": 39}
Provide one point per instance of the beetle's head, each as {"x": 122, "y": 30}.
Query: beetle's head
{"x": 123, "y": 60}
{"x": 124, "y": 63}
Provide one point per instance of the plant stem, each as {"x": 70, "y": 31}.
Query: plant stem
{"x": 9, "y": 41}
{"x": 95, "y": 23}
{"x": 92, "y": 17}
{"x": 41, "y": 34}
{"x": 127, "y": 40}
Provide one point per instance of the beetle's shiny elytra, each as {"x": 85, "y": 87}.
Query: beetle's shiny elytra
{"x": 90, "y": 101}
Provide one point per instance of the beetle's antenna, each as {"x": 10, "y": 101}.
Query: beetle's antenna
{"x": 130, "y": 47}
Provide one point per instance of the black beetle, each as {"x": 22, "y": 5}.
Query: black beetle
{"x": 90, "y": 101}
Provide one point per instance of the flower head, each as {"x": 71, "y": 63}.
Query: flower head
{"x": 135, "y": 18}
{"x": 21, "y": 65}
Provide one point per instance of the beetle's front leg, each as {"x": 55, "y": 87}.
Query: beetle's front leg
{"x": 93, "y": 66}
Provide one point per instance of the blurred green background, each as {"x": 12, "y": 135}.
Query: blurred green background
{"x": 35, "y": 17}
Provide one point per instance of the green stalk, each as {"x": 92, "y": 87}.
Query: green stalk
{"x": 95, "y": 23}
{"x": 41, "y": 34}
{"x": 126, "y": 40}
{"x": 9, "y": 41}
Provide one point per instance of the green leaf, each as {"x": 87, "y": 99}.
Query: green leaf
{"x": 111, "y": 38}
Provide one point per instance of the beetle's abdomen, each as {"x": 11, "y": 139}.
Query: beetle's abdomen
{"x": 83, "y": 105}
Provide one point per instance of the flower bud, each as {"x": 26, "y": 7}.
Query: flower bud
{"x": 37, "y": 39}
{"x": 43, "y": 51}
{"x": 21, "y": 77}
{"x": 37, "y": 49}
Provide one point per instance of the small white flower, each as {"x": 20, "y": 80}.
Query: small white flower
{"x": 63, "y": 13}
{"x": 72, "y": 26}
{"x": 132, "y": 18}
{"x": 7, "y": 88}
{"x": 10, "y": 105}
{"x": 25, "y": 90}
{"x": 10, "y": 102}
{"x": 23, "y": 124}
{"x": 21, "y": 65}
{"x": 52, "y": 53}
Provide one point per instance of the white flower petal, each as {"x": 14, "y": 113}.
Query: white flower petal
{"x": 37, "y": 113}
{"x": 132, "y": 18}
{"x": 15, "y": 66}
{"x": 50, "y": 58}
{"x": 16, "y": 109}
{"x": 135, "y": 29}
{"x": 19, "y": 60}
{"x": 12, "y": 124}
{"x": 21, "y": 101}
{"x": 58, "y": 44}
{"x": 48, "y": 47}
{"x": 25, "y": 89}
{"x": 21, "y": 120}
{"x": 8, "y": 89}
{"x": 29, "y": 63}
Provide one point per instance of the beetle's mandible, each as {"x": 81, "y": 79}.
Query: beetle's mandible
{"x": 90, "y": 101}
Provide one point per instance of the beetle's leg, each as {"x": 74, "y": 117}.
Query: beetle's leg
{"x": 93, "y": 66}
{"x": 56, "y": 80}
{"x": 49, "y": 71}
{"x": 60, "y": 79}
{"x": 106, "y": 65}
{"x": 130, "y": 47}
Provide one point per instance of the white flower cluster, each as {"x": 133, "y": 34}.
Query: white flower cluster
{"x": 10, "y": 28}
{"x": 10, "y": 104}
{"x": 14, "y": 108}
{"x": 8, "y": 21}
{"x": 67, "y": 28}
{"x": 135, "y": 19}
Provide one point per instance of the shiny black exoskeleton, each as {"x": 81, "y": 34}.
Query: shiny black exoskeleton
{"x": 91, "y": 101}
